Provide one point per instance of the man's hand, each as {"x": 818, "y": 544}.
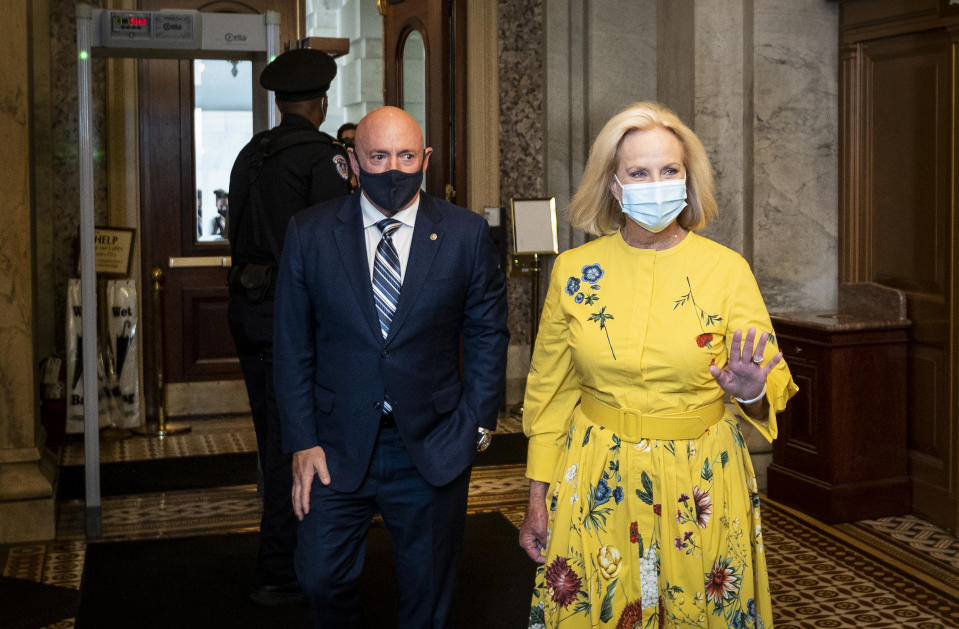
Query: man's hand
{"x": 532, "y": 532}
{"x": 307, "y": 464}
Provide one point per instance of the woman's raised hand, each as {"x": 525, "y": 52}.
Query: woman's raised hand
{"x": 744, "y": 376}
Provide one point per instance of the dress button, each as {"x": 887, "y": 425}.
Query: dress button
{"x": 377, "y": 405}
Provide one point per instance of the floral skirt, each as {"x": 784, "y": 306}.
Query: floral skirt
{"x": 653, "y": 534}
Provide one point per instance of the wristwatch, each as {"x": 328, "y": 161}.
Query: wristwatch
{"x": 484, "y": 439}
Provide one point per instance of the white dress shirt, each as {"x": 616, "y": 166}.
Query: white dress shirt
{"x": 402, "y": 237}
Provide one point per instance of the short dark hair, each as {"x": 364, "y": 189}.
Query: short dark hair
{"x": 346, "y": 126}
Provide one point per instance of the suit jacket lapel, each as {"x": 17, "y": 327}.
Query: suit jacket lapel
{"x": 351, "y": 242}
{"x": 427, "y": 238}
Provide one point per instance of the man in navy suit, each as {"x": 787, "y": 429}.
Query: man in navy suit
{"x": 389, "y": 353}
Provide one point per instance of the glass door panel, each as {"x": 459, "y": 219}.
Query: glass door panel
{"x": 222, "y": 125}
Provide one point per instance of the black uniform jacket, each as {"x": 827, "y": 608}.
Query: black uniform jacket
{"x": 289, "y": 181}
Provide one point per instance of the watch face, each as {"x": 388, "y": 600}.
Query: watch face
{"x": 485, "y": 439}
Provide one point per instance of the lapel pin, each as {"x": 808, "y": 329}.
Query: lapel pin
{"x": 433, "y": 236}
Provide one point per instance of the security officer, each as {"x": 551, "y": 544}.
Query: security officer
{"x": 280, "y": 172}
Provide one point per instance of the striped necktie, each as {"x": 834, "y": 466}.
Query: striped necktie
{"x": 386, "y": 281}
{"x": 386, "y": 275}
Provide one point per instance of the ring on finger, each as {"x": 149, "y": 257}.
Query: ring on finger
{"x": 758, "y": 359}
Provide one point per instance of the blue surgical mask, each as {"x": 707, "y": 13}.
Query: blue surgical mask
{"x": 654, "y": 205}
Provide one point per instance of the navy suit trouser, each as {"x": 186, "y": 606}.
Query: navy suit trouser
{"x": 425, "y": 522}
{"x": 251, "y": 325}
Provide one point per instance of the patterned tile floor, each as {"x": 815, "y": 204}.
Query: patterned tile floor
{"x": 890, "y": 572}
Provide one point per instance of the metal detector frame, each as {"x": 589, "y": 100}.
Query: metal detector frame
{"x": 86, "y": 49}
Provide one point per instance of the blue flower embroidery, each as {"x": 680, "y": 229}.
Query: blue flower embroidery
{"x": 592, "y": 273}
{"x": 618, "y": 494}
{"x": 602, "y": 492}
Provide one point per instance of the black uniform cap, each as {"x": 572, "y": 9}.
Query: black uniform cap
{"x": 299, "y": 74}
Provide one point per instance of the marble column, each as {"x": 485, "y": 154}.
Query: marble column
{"x": 26, "y": 493}
{"x": 796, "y": 154}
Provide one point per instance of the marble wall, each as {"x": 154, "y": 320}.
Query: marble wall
{"x": 765, "y": 93}
{"x": 17, "y": 391}
{"x": 722, "y": 110}
{"x": 796, "y": 153}
{"x": 63, "y": 213}
{"x": 26, "y": 494}
{"x": 521, "y": 151}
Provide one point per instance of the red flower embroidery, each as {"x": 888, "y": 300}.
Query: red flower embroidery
{"x": 721, "y": 582}
{"x": 564, "y": 582}
{"x": 658, "y": 509}
{"x": 633, "y": 533}
{"x": 632, "y": 616}
{"x": 703, "y": 340}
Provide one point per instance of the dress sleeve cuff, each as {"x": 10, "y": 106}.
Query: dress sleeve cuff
{"x": 541, "y": 460}
{"x": 777, "y": 394}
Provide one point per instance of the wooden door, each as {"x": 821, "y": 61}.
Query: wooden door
{"x": 898, "y": 125}
{"x": 438, "y": 29}
{"x": 197, "y": 346}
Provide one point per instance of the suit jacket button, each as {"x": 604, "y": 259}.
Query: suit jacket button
{"x": 377, "y": 405}
{"x": 385, "y": 354}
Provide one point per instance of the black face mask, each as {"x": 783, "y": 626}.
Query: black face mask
{"x": 391, "y": 190}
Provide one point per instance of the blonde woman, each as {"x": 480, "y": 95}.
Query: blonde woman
{"x": 643, "y": 507}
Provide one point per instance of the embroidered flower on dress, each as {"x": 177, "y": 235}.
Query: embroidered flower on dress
{"x": 602, "y": 493}
{"x": 704, "y": 506}
{"x": 632, "y": 616}
{"x": 592, "y": 273}
{"x": 610, "y": 561}
{"x": 563, "y": 581}
{"x": 703, "y": 340}
{"x": 721, "y": 582}
{"x": 682, "y": 542}
{"x": 633, "y": 533}
{"x": 649, "y": 575}
{"x": 618, "y": 494}
{"x": 658, "y": 509}
{"x": 571, "y": 473}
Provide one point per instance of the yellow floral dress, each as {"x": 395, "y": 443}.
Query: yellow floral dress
{"x": 659, "y": 531}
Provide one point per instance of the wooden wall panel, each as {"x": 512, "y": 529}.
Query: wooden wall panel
{"x": 898, "y": 137}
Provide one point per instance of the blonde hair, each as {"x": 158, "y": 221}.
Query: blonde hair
{"x": 594, "y": 208}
